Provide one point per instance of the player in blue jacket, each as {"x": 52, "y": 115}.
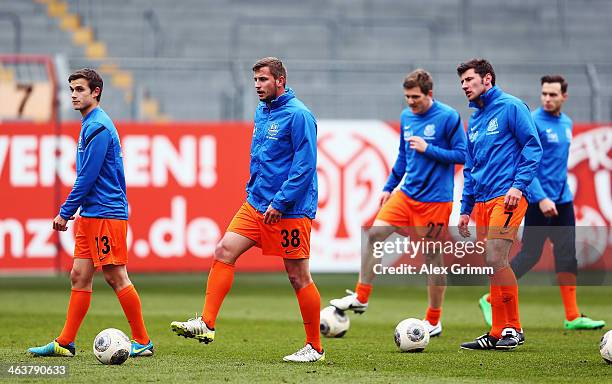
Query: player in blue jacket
{"x": 503, "y": 154}
{"x": 101, "y": 229}
{"x": 432, "y": 141}
{"x": 551, "y": 210}
{"x": 281, "y": 202}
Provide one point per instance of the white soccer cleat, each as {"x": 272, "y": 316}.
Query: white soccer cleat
{"x": 305, "y": 355}
{"x": 349, "y": 303}
{"x": 194, "y": 328}
{"x": 434, "y": 330}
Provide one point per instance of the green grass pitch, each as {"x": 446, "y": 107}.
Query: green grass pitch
{"x": 260, "y": 322}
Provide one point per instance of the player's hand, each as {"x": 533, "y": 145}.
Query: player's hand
{"x": 464, "y": 221}
{"x": 272, "y": 216}
{"x": 548, "y": 208}
{"x": 512, "y": 198}
{"x": 60, "y": 224}
{"x": 417, "y": 143}
{"x": 382, "y": 199}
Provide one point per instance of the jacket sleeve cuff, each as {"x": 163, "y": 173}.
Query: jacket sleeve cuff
{"x": 65, "y": 215}
{"x": 279, "y": 206}
{"x": 520, "y": 186}
{"x": 466, "y": 209}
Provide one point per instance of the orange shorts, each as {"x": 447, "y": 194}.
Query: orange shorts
{"x": 289, "y": 238}
{"x": 430, "y": 219}
{"x": 104, "y": 241}
{"x": 493, "y": 221}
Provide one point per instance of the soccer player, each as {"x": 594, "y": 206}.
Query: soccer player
{"x": 282, "y": 197}
{"x": 432, "y": 141}
{"x": 101, "y": 229}
{"x": 552, "y": 207}
{"x": 503, "y": 154}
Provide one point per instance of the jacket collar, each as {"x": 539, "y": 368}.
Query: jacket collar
{"x": 548, "y": 114}
{"x": 487, "y": 97}
{"x": 86, "y": 117}
{"x": 281, "y": 100}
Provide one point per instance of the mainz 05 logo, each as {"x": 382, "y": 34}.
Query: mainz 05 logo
{"x": 354, "y": 161}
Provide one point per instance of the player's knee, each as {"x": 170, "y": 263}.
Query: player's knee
{"x": 299, "y": 281}
{"x": 497, "y": 262}
{"x": 116, "y": 280}
{"x": 80, "y": 279}
{"x": 497, "y": 253}
{"x": 224, "y": 253}
{"x": 435, "y": 259}
{"x": 110, "y": 279}
{"x": 376, "y": 234}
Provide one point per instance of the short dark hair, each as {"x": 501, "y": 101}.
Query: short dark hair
{"x": 277, "y": 69}
{"x": 480, "y": 66}
{"x": 94, "y": 80}
{"x": 419, "y": 78}
{"x": 555, "y": 79}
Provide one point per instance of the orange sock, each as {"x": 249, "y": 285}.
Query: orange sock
{"x": 505, "y": 279}
{"x": 220, "y": 281}
{"x": 363, "y": 292}
{"x": 310, "y": 307}
{"x": 433, "y": 315}
{"x": 498, "y": 314}
{"x": 77, "y": 309}
{"x": 130, "y": 302}
{"x": 567, "y": 286}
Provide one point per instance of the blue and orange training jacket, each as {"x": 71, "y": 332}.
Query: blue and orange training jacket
{"x": 99, "y": 188}
{"x": 429, "y": 175}
{"x": 284, "y": 158}
{"x": 551, "y": 179}
{"x": 504, "y": 149}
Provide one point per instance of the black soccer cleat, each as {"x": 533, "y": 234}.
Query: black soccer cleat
{"x": 482, "y": 343}
{"x": 511, "y": 338}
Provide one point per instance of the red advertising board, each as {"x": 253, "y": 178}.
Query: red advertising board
{"x": 186, "y": 181}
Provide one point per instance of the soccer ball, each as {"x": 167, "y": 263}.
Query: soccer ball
{"x": 112, "y": 346}
{"x": 334, "y": 322}
{"x": 411, "y": 335}
{"x": 605, "y": 347}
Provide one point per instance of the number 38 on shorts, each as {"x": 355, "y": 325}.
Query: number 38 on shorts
{"x": 291, "y": 239}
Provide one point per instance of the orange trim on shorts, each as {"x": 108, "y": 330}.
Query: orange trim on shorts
{"x": 104, "y": 241}
{"x": 493, "y": 221}
{"x": 289, "y": 238}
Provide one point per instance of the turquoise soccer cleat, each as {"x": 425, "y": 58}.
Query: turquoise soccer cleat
{"x": 139, "y": 350}
{"x": 54, "y": 349}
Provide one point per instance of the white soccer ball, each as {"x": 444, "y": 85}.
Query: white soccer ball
{"x": 411, "y": 335}
{"x": 112, "y": 346}
{"x": 334, "y": 322}
{"x": 605, "y": 347}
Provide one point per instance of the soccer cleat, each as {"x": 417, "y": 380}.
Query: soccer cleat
{"x": 485, "y": 307}
{"x": 434, "y": 330}
{"x": 139, "y": 350}
{"x": 511, "y": 338}
{"x": 484, "y": 342}
{"x": 583, "y": 322}
{"x": 54, "y": 349}
{"x": 194, "y": 328}
{"x": 306, "y": 355}
{"x": 349, "y": 303}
